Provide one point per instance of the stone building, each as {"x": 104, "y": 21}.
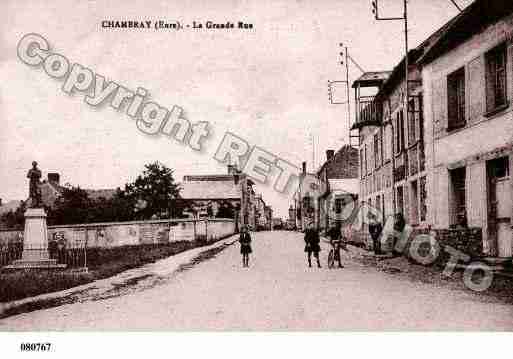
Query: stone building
{"x": 468, "y": 87}
{"x": 220, "y": 195}
{"x": 304, "y": 200}
{"x": 392, "y": 156}
{"x": 313, "y": 200}
{"x": 340, "y": 174}
{"x": 444, "y": 162}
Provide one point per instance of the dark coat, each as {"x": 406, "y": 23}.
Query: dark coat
{"x": 245, "y": 243}
{"x": 312, "y": 241}
{"x": 375, "y": 230}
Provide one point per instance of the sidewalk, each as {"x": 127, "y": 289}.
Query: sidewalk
{"x": 146, "y": 276}
{"x": 502, "y": 285}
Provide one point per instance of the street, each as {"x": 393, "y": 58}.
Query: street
{"x": 277, "y": 292}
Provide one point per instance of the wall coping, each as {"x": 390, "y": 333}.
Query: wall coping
{"x": 105, "y": 224}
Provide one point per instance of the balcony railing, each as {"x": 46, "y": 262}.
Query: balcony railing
{"x": 369, "y": 112}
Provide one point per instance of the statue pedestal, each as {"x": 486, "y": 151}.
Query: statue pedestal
{"x": 35, "y": 243}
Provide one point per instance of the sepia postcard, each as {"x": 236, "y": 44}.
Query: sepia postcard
{"x": 291, "y": 166}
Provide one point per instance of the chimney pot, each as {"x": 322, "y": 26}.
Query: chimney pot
{"x": 304, "y": 168}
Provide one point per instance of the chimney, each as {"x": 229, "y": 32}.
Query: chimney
{"x": 232, "y": 169}
{"x": 304, "y": 168}
{"x": 54, "y": 178}
{"x": 330, "y": 154}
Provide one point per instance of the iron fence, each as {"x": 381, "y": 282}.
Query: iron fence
{"x": 71, "y": 257}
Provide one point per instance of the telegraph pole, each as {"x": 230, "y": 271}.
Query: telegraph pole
{"x": 375, "y": 10}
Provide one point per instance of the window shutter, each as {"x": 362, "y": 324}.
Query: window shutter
{"x": 406, "y": 201}
{"x": 509, "y": 75}
{"x": 439, "y": 104}
{"x": 476, "y": 88}
{"x": 490, "y": 82}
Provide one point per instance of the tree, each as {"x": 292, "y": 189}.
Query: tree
{"x": 157, "y": 188}
{"x": 14, "y": 219}
{"x": 72, "y": 206}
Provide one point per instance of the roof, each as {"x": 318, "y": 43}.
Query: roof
{"x": 473, "y": 19}
{"x": 210, "y": 189}
{"x": 344, "y": 151}
{"x": 350, "y": 185}
{"x": 372, "y": 78}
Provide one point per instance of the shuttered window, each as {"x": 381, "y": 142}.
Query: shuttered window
{"x": 496, "y": 64}
{"x": 456, "y": 99}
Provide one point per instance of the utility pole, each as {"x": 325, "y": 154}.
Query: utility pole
{"x": 375, "y": 11}
{"x": 346, "y": 62}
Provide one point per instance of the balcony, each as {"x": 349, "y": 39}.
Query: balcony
{"x": 369, "y": 112}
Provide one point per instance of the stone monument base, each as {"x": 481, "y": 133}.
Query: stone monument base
{"x": 35, "y": 243}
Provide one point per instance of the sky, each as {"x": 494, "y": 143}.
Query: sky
{"x": 267, "y": 85}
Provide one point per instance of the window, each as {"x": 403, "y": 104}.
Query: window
{"x": 412, "y": 123}
{"x": 415, "y": 121}
{"x": 496, "y": 62}
{"x": 456, "y": 99}
{"x": 400, "y": 200}
{"x": 338, "y": 205}
{"x": 377, "y": 150}
{"x": 366, "y": 163}
{"x": 423, "y": 196}
{"x": 362, "y": 164}
{"x": 399, "y": 132}
{"x": 499, "y": 167}
{"x": 387, "y": 143}
{"x": 414, "y": 202}
{"x": 459, "y": 211}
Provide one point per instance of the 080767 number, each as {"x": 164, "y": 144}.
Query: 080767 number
{"x": 35, "y": 347}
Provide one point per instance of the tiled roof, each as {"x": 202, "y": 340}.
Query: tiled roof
{"x": 210, "y": 189}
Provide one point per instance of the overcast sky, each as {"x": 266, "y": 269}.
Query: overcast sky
{"x": 267, "y": 85}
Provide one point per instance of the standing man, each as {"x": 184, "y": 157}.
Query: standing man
{"x": 34, "y": 174}
{"x": 375, "y": 229}
{"x": 245, "y": 245}
{"x": 312, "y": 241}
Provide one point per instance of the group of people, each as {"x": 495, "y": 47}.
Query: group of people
{"x": 312, "y": 243}
{"x": 312, "y": 240}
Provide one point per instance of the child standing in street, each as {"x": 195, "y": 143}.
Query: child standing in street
{"x": 245, "y": 246}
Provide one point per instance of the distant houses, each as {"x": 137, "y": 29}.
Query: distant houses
{"x": 228, "y": 195}
{"x": 338, "y": 186}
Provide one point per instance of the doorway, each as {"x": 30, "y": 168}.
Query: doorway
{"x": 499, "y": 207}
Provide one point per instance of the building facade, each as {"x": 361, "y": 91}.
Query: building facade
{"x": 468, "y": 86}
{"x": 340, "y": 174}
{"x": 228, "y": 195}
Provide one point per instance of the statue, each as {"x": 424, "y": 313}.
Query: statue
{"x": 34, "y": 174}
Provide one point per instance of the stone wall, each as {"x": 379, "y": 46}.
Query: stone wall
{"x": 105, "y": 235}
{"x": 465, "y": 240}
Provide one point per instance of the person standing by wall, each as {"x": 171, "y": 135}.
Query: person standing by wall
{"x": 375, "y": 229}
